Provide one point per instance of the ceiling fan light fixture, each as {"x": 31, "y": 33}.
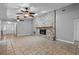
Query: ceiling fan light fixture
{"x": 31, "y": 13}
{"x": 26, "y": 15}
{"x": 26, "y": 12}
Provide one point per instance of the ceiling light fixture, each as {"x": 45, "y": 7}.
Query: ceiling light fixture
{"x": 26, "y": 15}
{"x": 25, "y": 12}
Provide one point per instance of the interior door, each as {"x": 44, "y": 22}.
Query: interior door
{"x": 77, "y": 31}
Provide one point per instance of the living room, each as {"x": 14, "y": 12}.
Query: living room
{"x": 39, "y": 28}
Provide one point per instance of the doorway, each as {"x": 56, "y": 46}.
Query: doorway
{"x": 76, "y": 30}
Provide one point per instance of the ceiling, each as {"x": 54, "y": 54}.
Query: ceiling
{"x": 39, "y": 8}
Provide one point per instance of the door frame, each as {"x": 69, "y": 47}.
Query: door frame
{"x": 75, "y": 29}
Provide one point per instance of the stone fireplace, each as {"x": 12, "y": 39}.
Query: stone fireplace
{"x": 45, "y": 25}
{"x": 46, "y": 32}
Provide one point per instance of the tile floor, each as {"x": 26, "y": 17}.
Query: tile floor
{"x": 35, "y": 45}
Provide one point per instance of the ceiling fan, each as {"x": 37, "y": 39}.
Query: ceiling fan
{"x": 25, "y": 12}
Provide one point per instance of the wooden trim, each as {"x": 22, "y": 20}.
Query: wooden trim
{"x": 54, "y": 38}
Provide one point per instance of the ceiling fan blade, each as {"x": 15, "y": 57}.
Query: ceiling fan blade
{"x": 26, "y": 11}
{"x": 22, "y": 11}
{"x": 21, "y": 20}
{"x": 31, "y": 13}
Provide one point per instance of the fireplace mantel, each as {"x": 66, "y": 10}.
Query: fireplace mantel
{"x": 45, "y": 27}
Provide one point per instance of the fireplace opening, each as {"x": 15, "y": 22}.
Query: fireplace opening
{"x": 43, "y": 31}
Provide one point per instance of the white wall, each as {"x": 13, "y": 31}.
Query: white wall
{"x": 3, "y": 10}
{"x": 25, "y": 27}
{"x": 64, "y": 22}
{"x": 3, "y": 16}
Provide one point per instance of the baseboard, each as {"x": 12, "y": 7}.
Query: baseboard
{"x": 24, "y": 34}
{"x": 65, "y": 41}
